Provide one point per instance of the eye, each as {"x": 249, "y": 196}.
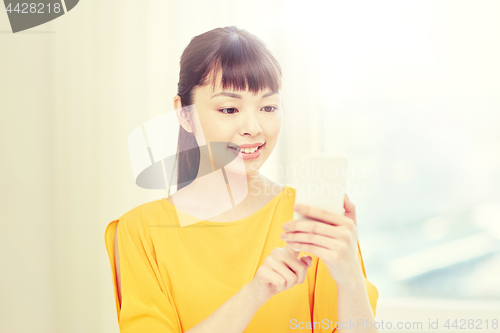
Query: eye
{"x": 228, "y": 110}
{"x": 269, "y": 108}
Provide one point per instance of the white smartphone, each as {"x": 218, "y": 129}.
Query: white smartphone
{"x": 321, "y": 182}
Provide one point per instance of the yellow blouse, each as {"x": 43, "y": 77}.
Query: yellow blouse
{"x": 173, "y": 277}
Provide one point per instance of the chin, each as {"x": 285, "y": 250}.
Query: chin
{"x": 250, "y": 167}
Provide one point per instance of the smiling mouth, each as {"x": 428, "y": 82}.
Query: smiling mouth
{"x": 246, "y": 150}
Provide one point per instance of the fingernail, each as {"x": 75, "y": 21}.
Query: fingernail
{"x": 286, "y": 226}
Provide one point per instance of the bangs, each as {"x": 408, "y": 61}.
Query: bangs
{"x": 244, "y": 66}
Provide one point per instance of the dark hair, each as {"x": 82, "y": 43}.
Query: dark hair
{"x": 245, "y": 62}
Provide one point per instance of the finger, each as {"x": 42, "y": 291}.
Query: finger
{"x": 305, "y": 237}
{"x": 320, "y": 214}
{"x": 293, "y": 263}
{"x": 350, "y": 209}
{"x": 269, "y": 275}
{"x": 311, "y": 226}
{"x": 285, "y": 256}
{"x": 282, "y": 269}
{"x": 318, "y": 251}
{"x": 307, "y": 260}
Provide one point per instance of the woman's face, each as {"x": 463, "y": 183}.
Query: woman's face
{"x": 252, "y": 122}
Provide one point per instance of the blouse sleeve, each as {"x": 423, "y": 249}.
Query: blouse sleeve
{"x": 370, "y": 287}
{"x": 324, "y": 295}
{"x": 146, "y": 303}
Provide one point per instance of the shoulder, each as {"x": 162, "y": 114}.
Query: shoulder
{"x": 142, "y": 215}
{"x": 288, "y": 193}
{"x": 285, "y": 193}
{"x": 282, "y": 195}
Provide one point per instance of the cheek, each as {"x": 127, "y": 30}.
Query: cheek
{"x": 208, "y": 128}
{"x": 218, "y": 130}
{"x": 273, "y": 128}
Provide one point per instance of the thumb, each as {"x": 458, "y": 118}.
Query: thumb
{"x": 307, "y": 260}
{"x": 349, "y": 209}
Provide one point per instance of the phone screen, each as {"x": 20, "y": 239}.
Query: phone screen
{"x": 321, "y": 181}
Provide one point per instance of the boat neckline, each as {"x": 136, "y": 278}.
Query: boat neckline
{"x": 250, "y": 217}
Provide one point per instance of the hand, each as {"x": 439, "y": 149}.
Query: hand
{"x": 280, "y": 271}
{"x": 329, "y": 236}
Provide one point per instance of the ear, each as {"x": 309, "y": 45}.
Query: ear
{"x": 183, "y": 114}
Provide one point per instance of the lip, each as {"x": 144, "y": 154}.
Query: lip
{"x": 252, "y": 145}
{"x": 248, "y": 156}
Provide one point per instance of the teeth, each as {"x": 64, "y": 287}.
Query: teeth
{"x": 248, "y": 150}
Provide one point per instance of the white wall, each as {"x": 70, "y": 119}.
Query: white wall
{"x": 72, "y": 90}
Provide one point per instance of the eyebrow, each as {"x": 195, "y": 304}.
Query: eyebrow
{"x": 233, "y": 95}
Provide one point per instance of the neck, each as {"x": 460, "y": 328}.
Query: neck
{"x": 247, "y": 185}
{"x": 242, "y": 186}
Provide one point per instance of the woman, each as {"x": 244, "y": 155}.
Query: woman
{"x": 236, "y": 270}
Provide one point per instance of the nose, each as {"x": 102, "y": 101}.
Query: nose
{"x": 250, "y": 124}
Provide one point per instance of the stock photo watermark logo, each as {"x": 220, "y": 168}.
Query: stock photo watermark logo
{"x": 164, "y": 155}
{"x": 170, "y": 152}
{"x": 24, "y": 15}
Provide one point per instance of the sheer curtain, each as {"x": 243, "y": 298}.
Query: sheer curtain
{"x": 72, "y": 91}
